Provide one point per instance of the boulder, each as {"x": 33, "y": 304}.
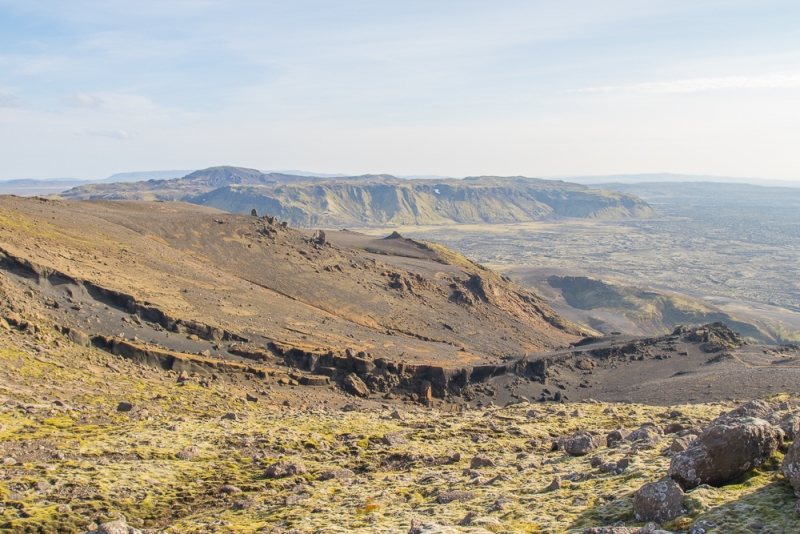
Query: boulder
{"x": 790, "y": 468}
{"x": 725, "y": 451}
{"x": 578, "y": 444}
{"x": 355, "y": 385}
{"x": 659, "y": 501}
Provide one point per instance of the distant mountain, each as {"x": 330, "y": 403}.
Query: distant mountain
{"x": 141, "y": 176}
{"x": 666, "y": 177}
{"x": 374, "y": 200}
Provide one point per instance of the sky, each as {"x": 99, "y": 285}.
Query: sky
{"x": 455, "y": 88}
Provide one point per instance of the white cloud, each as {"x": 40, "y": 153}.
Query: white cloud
{"x": 8, "y": 101}
{"x": 113, "y": 134}
{"x": 82, "y": 100}
{"x": 695, "y": 85}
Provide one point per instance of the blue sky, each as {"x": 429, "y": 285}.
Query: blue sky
{"x": 90, "y": 88}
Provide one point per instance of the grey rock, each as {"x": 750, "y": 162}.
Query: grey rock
{"x": 394, "y": 438}
{"x": 790, "y": 468}
{"x": 658, "y": 501}
{"x": 480, "y": 461}
{"x": 681, "y": 444}
{"x": 578, "y": 444}
{"x": 459, "y": 496}
{"x": 725, "y": 451}
{"x": 337, "y": 474}
{"x": 284, "y": 468}
{"x": 614, "y": 437}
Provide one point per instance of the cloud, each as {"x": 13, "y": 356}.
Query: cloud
{"x": 82, "y": 100}
{"x": 8, "y": 101}
{"x": 696, "y": 85}
{"x": 112, "y": 134}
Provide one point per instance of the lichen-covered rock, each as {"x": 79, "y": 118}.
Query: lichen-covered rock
{"x": 578, "y": 444}
{"x": 725, "y": 451}
{"x": 658, "y": 501}
{"x": 790, "y": 468}
{"x": 646, "y": 437}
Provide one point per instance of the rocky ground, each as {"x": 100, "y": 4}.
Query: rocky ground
{"x": 96, "y": 442}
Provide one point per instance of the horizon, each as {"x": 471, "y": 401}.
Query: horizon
{"x": 544, "y": 89}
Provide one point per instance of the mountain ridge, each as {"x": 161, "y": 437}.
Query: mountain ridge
{"x": 376, "y": 199}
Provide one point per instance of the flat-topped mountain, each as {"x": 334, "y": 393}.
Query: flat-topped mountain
{"x": 376, "y": 200}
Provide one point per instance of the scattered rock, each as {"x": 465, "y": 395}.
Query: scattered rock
{"x": 399, "y": 415}
{"x": 451, "y": 496}
{"x": 228, "y": 489}
{"x": 251, "y": 398}
{"x": 337, "y": 474}
{"x": 284, "y": 469}
{"x": 554, "y": 485}
{"x": 614, "y": 437}
{"x": 394, "y": 438}
{"x": 646, "y": 437}
{"x": 725, "y": 451}
{"x": 116, "y": 527}
{"x": 658, "y": 501}
{"x": 189, "y": 453}
{"x": 124, "y": 406}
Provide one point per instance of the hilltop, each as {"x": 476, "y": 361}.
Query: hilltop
{"x": 375, "y": 200}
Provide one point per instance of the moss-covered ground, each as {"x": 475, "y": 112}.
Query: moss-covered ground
{"x": 70, "y": 458}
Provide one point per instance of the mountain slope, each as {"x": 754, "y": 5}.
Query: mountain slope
{"x": 252, "y": 278}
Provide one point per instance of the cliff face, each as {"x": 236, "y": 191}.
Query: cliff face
{"x": 407, "y": 202}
